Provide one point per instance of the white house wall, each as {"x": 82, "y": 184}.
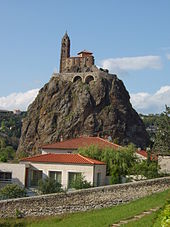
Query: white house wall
{"x": 17, "y": 170}
{"x": 56, "y": 151}
{"x": 86, "y": 170}
{"x": 164, "y": 163}
{"x": 100, "y": 169}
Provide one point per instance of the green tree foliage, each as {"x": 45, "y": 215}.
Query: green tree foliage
{"x": 121, "y": 162}
{"x": 162, "y": 139}
{"x": 3, "y": 127}
{"x": 2, "y": 143}
{"x": 49, "y": 185}
{"x": 12, "y": 191}
{"x": 10, "y": 128}
{"x": 118, "y": 162}
{"x": 7, "y": 154}
{"x": 143, "y": 168}
{"x": 80, "y": 183}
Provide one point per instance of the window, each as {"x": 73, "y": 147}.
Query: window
{"x": 5, "y": 176}
{"x": 56, "y": 175}
{"x": 36, "y": 175}
{"x": 72, "y": 177}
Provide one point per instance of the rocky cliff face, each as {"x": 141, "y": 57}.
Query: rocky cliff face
{"x": 67, "y": 109}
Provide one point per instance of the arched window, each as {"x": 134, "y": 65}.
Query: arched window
{"x": 88, "y": 79}
{"x": 77, "y": 78}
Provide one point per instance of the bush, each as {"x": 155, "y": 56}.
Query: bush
{"x": 163, "y": 218}
{"x": 49, "y": 185}
{"x": 12, "y": 191}
{"x": 80, "y": 183}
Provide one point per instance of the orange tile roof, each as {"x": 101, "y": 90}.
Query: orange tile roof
{"x": 85, "y": 51}
{"x": 144, "y": 154}
{"x": 74, "y": 144}
{"x": 62, "y": 158}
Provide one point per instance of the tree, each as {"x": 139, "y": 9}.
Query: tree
{"x": 12, "y": 191}
{"x": 3, "y": 126}
{"x": 162, "y": 139}
{"x": 118, "y": 162}
{"x": 49, "y": 185}
{"x": 122, "y": 162}
{"x": 80, "y": 183}
{"x": 6, "y": 154}
{"x": 146, "y": 169}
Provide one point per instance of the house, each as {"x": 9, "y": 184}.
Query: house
{"x": 72, "y": 145}
{"x": 64, "y": 168}
{"x": 61, "y": 162}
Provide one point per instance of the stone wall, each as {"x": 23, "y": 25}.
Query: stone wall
{"x": 96, "y": 74}
{"x": 82, "y": 200}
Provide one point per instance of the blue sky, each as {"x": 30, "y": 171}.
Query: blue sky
{"x": 131, "y": 38}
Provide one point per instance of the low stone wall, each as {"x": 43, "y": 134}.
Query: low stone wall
{"x": 82, "y": 200}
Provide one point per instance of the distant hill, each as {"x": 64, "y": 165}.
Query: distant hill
{"x": 10, "y": 127}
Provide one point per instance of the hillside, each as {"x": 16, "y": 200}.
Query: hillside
{"x": 67, "y": 109}
{"x": 10, "y": 128}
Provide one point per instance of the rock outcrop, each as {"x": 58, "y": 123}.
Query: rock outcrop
{"x": 67, "y": 109}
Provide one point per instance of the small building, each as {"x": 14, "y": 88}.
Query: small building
{"x": 72, "y": 145}
{"x": 64, "y": 168}
{"x": 17, "y": 112}
{"x": 164, "y": 163}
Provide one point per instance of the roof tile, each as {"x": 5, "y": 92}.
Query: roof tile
{"x": 74, "y": 144}
{"x": 62, "y": 158}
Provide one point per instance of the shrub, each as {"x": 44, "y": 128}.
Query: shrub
{"x": 80, "y": 183}
{"x": 12, "y": 191}
{"x": 163, "y": 218}
{"x": 49, "y": 185}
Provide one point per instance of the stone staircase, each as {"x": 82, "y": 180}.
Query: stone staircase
{"x": 135, "y": 218}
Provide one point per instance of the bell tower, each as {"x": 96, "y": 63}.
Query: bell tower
{"x": 65, "y": 51}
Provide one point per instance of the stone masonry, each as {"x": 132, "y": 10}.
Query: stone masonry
{"x": 82, "y": 200}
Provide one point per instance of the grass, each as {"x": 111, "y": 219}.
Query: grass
{"x": 103, "y": 217}
{"x": 147, "y": 221}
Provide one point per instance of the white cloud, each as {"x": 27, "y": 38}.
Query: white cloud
{"x": 142, "y": 102}
{"x": 168, "y": 56}
{"x": 18, "y": 100}
{"x": 151, "y": 103}
{"x": 116, "y": 65}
